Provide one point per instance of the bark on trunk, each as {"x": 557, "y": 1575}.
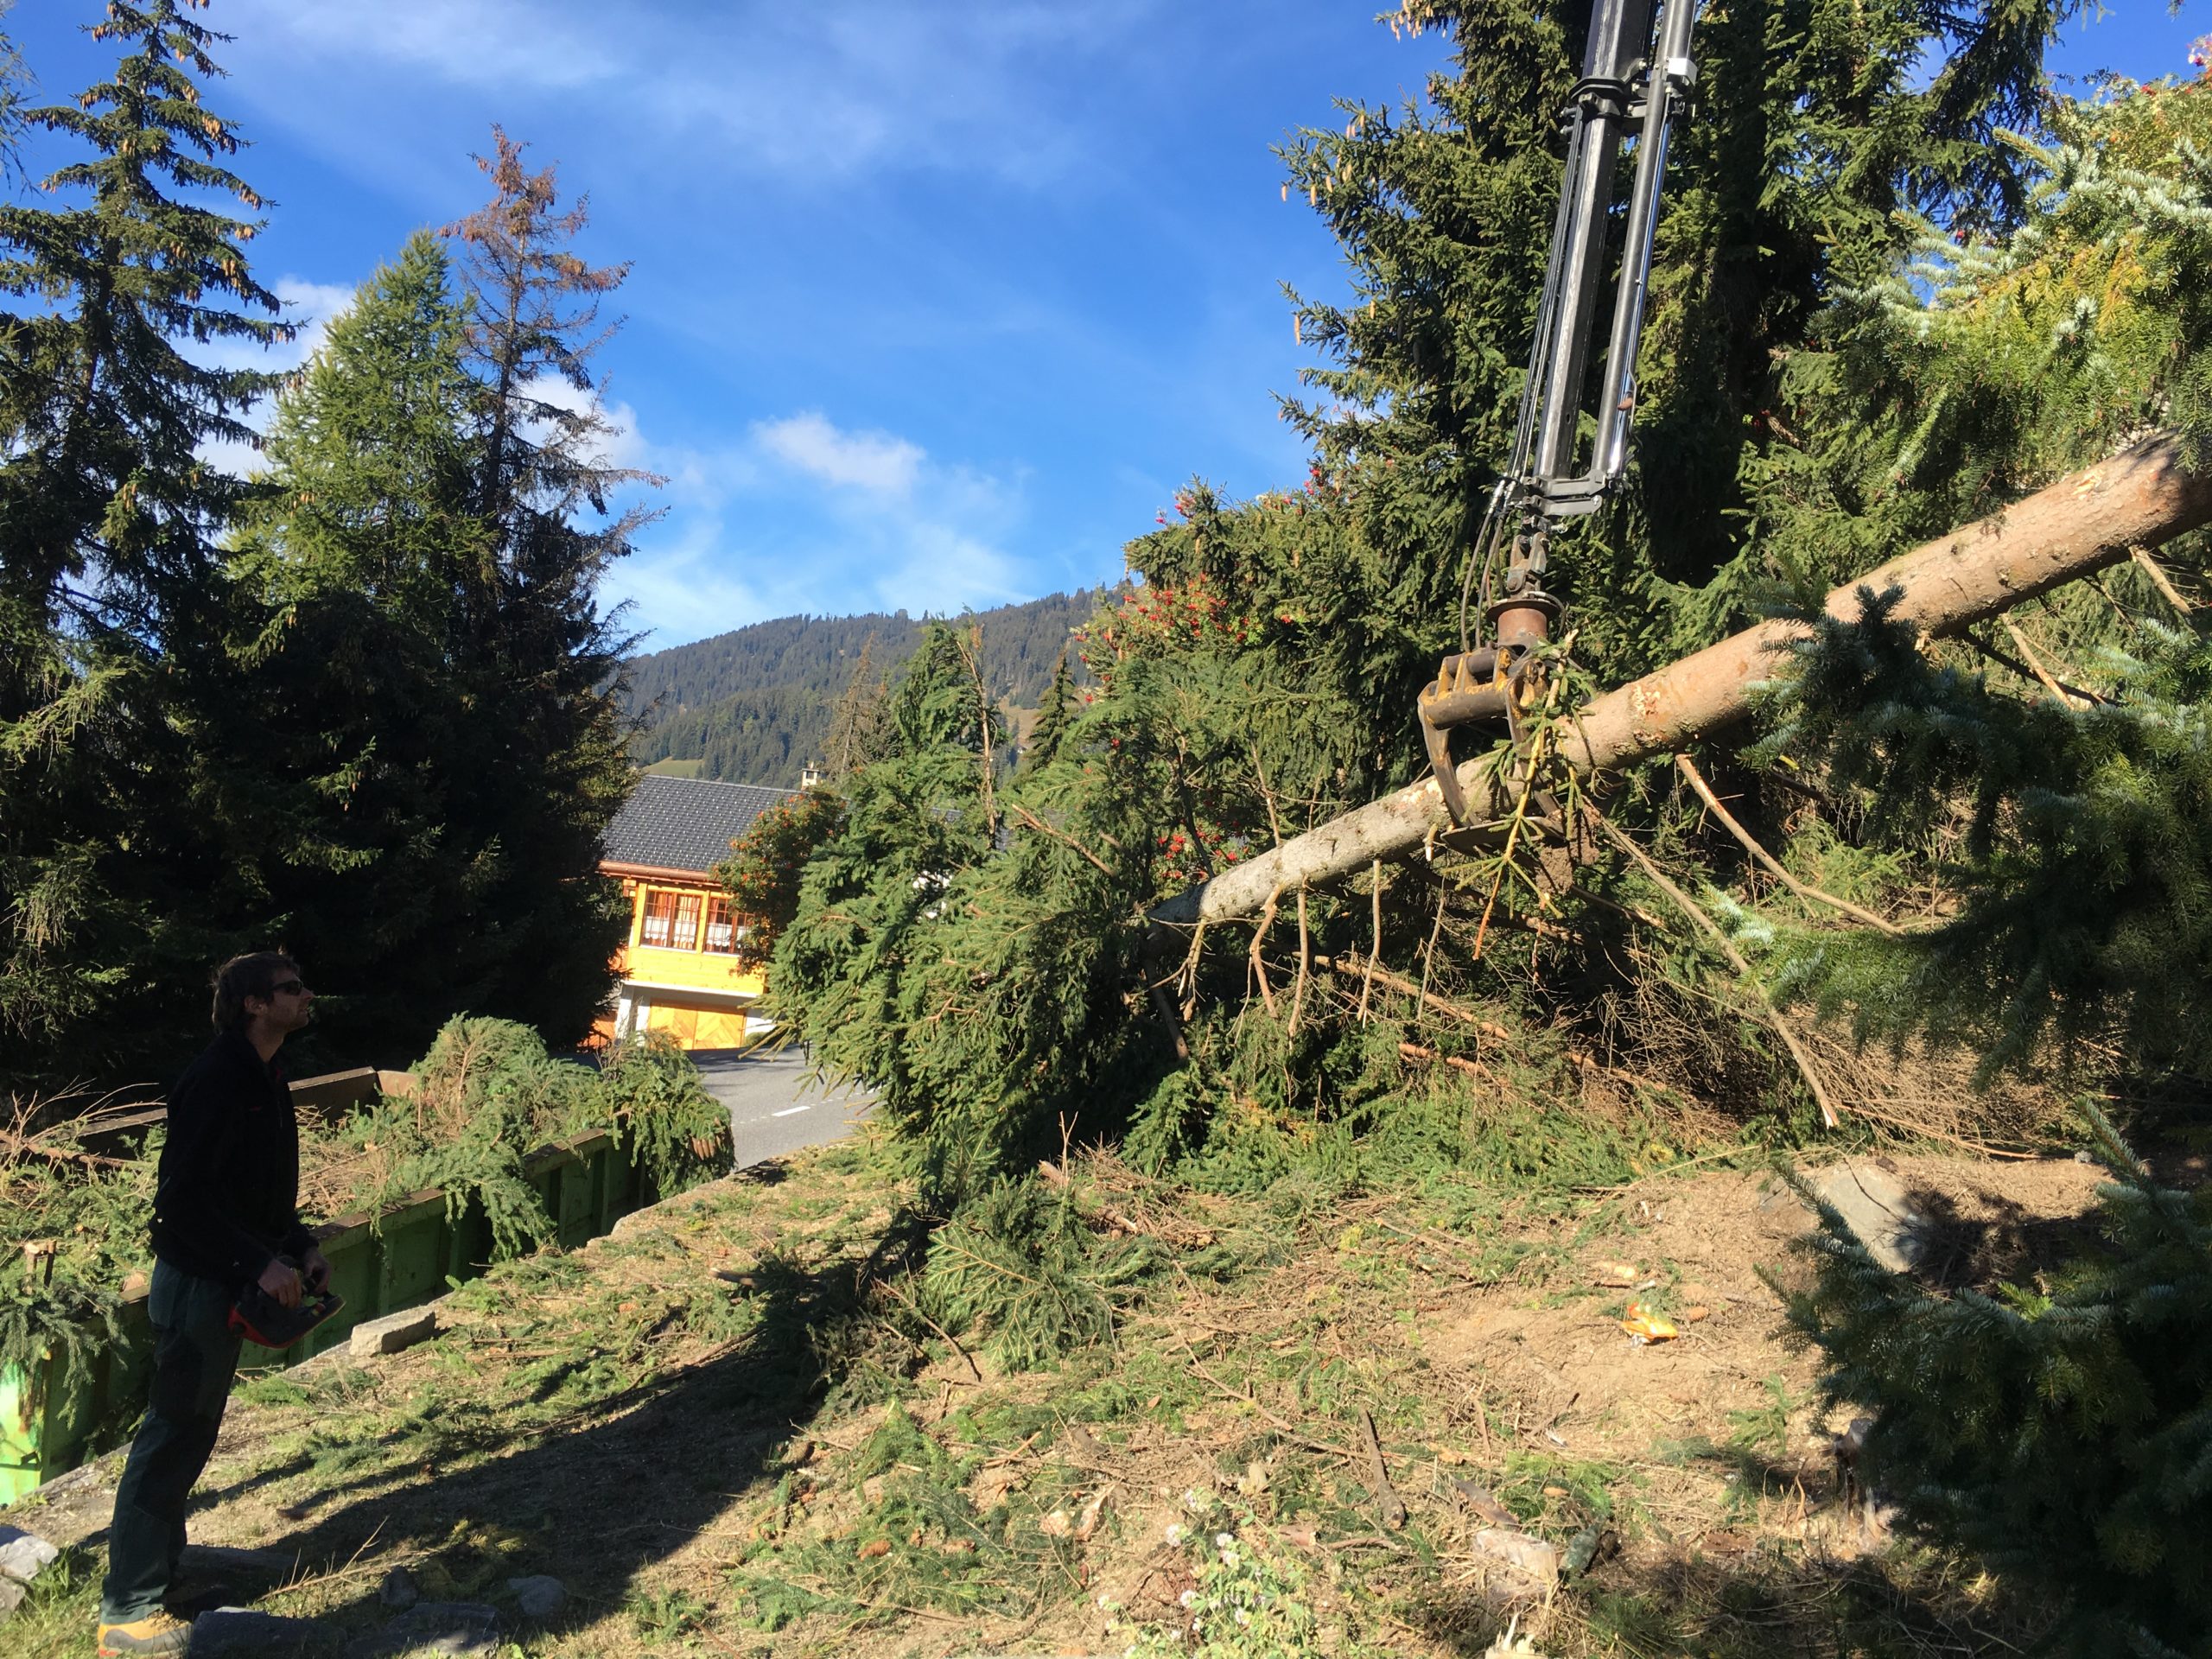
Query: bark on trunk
{"x": 2086, "y": 521}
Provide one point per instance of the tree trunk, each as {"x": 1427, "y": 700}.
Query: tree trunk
{"x": 2086, "y": 521}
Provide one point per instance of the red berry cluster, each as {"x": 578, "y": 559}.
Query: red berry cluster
{"x": 1156, "y": 620}
{"x": 1179, "y": 862}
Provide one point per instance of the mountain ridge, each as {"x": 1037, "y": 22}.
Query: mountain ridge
{"x": 754, "y": 705}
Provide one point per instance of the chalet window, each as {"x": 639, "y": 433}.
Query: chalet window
{"x": 723, "y": 934}
{"x": 671, "y": 920}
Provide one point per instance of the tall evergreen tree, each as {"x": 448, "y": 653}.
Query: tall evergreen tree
{"x": 341, "y": 705}
{"x": 856, "y": 723}
{"x": 108, "y": 516}
{"x": 1051, "y": 719}
{"x": 547, "y": 765}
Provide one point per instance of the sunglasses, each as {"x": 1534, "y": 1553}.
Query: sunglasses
{"x": 291, "y": 986}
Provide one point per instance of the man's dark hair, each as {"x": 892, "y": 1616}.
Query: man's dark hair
{"x": 253, "y": 974}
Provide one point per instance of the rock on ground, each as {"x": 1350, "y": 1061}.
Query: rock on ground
{"x": 392, "y": 1332}
{"x": 1872, "y": 1203}
{"x": 539, "y": 1597}
{"x": 23, "y": 1557}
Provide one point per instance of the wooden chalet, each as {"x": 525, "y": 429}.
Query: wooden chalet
{"x": 685, "y": 970}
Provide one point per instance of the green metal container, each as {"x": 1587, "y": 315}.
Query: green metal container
{"x": 51, "y": 1422}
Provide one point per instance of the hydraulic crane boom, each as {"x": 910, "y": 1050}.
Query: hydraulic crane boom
{"x": 1631, "y": 86}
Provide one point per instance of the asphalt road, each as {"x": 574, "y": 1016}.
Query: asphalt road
{"x": 775, "y": 1107}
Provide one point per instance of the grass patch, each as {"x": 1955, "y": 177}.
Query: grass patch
{"x": 780, "y": 1417}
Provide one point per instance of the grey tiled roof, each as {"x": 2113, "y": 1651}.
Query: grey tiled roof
{"x": 684, "y": 823}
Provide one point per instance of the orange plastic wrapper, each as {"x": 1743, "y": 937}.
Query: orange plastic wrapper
{"x": 1644, "y": 1326}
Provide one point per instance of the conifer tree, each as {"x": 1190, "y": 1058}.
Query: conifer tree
{"x": 856, "y": 723}
{"x": 1051, "y": 720}
{"x": 341, "y": 705}
{"x": 533, "y": 329}
{"x": 107, "y": 519}
{"x": 1262, "y": 679}
{"x": 547, "y": 760}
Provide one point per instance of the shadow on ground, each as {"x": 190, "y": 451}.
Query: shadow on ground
{"x": 2004, "y": 1242}
{"x": 600, "y": 1497}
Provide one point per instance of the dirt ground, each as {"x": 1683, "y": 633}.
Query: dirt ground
{"x": 723, "y": 1435}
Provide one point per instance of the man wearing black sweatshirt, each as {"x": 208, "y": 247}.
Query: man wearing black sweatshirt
{"x": 225, "y": 1216}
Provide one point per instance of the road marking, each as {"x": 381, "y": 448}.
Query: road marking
{"x": 788, "y": 1110}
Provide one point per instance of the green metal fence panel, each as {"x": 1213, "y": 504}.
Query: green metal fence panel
{"x": 50, "y": 1421}
{"x": 414, "y": 1253}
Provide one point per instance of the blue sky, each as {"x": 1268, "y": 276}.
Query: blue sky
{"x": 934, "y": 303}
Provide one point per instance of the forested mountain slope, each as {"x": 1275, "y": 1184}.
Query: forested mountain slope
{"x": 755, "y": 705}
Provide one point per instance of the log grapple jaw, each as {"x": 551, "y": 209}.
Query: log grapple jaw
{"x": 1634, "y": 87}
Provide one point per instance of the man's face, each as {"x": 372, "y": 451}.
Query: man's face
{"x": 287, "y": 1006}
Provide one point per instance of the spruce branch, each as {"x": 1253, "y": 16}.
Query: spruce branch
{"x": 1811, "y": 894}
{"x": 1375, "y": 943}
{"x": 1065, "y": 839}
{"x": 1727, "y": 948}
{"x": 2159, "y": 580}
{"x": 1370, "y": 971}
{"x": 2068, "y": 697}
{"x": 1259, "y": 941}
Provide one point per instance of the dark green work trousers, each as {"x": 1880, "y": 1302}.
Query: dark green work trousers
{"x": 195, "y": 1356}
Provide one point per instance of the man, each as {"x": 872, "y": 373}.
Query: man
{"x": 226, "y": 1217}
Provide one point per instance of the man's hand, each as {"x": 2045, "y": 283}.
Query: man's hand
{"x": 281, "y": 1281}
{"x": 316, "y": 1267}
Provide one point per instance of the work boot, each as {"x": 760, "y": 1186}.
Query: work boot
{"x": 157, "y": 1633}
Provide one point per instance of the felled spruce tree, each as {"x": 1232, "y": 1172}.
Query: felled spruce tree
{"x": 2068, "y": 815}
{"x": 922, "y": 958}
{"x": 1262, "y": 680}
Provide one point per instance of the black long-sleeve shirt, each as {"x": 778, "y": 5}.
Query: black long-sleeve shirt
{"x": 227, "y": 1195}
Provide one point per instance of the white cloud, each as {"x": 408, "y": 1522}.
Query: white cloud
{"x": 477, "y": 43}
{"x": 808, "y": 516}
{"x": 808, "y": 93}
{"x": 312, "y": 305}
{"x": 623, "y": 445}
{"x": 875, "y": 461}
{"x": 685, "y": 588}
